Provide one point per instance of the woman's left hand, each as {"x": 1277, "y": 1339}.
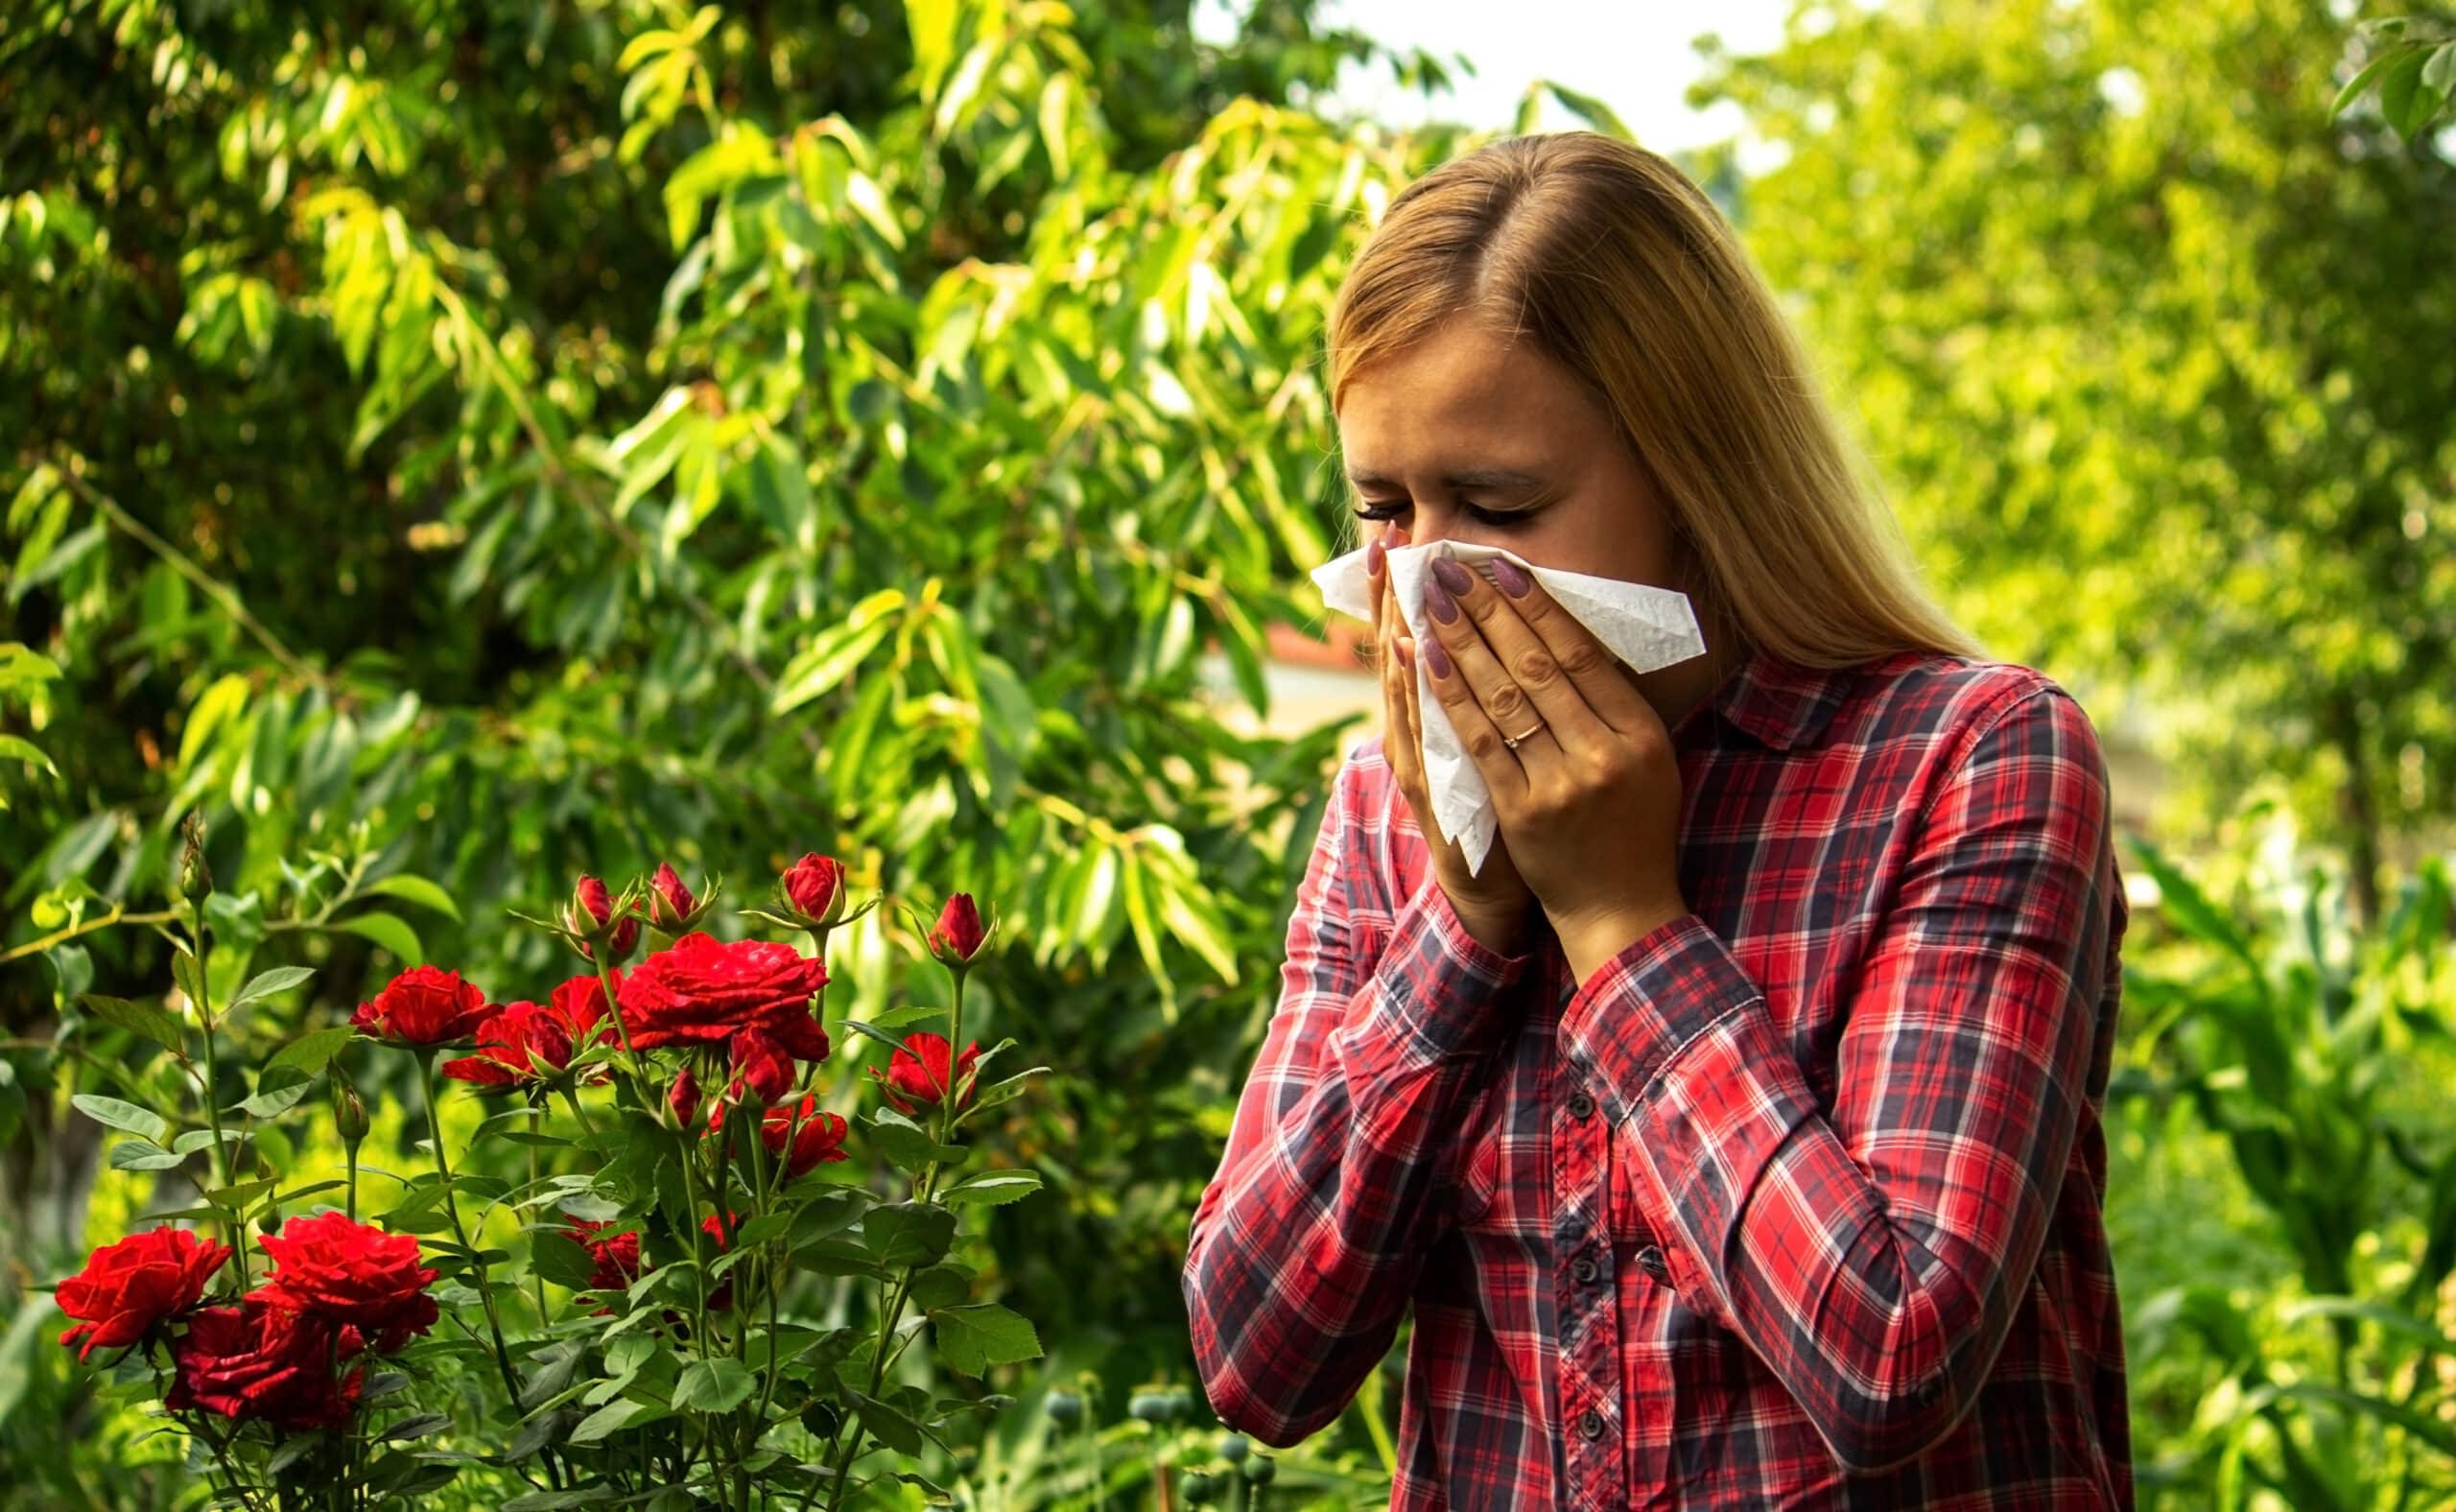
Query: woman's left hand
{"x": 1590, "y": 801}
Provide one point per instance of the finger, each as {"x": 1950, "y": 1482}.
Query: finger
{"x": 1573, "y": 679}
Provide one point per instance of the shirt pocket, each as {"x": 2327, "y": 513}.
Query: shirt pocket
{"x": 1475, "y": 1159}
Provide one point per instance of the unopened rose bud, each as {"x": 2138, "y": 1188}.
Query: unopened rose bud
{"x": 591, "y": 911}
{"x": 684, "y": 1099}
{"x": 349, "y": 1115}
{"x": 814, "y": 885}
{"x": 672, "y": 908}
{"x": 196, "y": 879}
{"x": 957, "y": 936}
{"x": 269, "y": 1223}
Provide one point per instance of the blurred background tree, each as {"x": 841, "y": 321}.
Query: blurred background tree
{"x": 2155, "y": 356}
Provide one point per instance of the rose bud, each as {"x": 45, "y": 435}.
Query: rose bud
{"x": 814, "y": 885}
{"x": 957, "y": 936}
{"x": 684, "y": 1099}
{"x": 591, "y": 911}
{"x": 672, "y": 908}
{"x": 917, "y": 1075}
{"x": 423, "y": 1005}
{"x": 350, "y": 1114}
{"x": 131, "y": 1288}
{"x": 809, "y": 1134}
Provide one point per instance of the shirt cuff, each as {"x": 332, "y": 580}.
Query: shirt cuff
{"x": 1627, "y": 1023}
{"x": 1435, "y": 982}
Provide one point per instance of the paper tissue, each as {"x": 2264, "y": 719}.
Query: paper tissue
{"x": 1647, "y": 627}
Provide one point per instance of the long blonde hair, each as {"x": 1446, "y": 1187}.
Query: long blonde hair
{"x": 1616, "y": 267}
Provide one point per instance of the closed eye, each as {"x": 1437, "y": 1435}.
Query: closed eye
{"x": 1502, "y": 519}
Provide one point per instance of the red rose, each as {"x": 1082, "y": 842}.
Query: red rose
{"x": 816, "y": 884}
{"x": 704, "y": 991}
{"x": 916, "y": 1074}
{"x": 672, "y": 908}
{"x": 616, "y": 1258}
{"x": 258, "y": 1361}
{"x": 958, "y": 936}
{"x": 760, "y": 1064}
{"x": 128, "y": 1289}
{"x": 815, "y": 1136}
{"x": 350, "y": 1273}
{"x": 511, "y": 1043}
{"x": 422, "y": 1005}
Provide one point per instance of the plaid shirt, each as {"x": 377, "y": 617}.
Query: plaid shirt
{"x": 1796, "y": 1202}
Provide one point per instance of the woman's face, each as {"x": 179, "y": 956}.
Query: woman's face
{"x": 1463, "y": 437}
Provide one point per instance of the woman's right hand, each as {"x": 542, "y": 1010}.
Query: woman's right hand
{"x": 1494, "y": 905}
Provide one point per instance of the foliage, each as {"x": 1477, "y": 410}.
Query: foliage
{"x": 2318, "y": 1052}
{"x": 2412, "y": 60}
{"x": 2152, "y": 354}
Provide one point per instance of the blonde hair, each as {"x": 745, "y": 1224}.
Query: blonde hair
{"x": 1617, "y": 268}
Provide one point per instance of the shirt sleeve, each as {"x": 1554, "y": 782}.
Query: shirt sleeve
{"x": 1873, "y": 1252}
{"x": 1307, "y": 1244}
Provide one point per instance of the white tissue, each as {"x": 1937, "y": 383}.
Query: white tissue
{"x": 1647, "y": 627}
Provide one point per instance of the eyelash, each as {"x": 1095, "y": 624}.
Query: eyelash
{"x": 1500, "y": 520}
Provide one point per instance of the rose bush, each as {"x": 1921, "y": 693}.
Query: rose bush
{"x": 638, "y": 1321}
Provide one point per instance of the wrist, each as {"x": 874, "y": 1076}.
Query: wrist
{"x": 1590, "y": 944}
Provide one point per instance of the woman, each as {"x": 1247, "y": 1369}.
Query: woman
{"x": 1734, "y": 1135}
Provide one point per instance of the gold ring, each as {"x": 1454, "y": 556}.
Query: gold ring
{"x": 1511, "y": 741}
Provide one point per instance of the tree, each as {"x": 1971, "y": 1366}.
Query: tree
{"x": 2155, "y": 355}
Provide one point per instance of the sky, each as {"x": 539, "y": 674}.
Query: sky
{"x": 1631, "y": 54}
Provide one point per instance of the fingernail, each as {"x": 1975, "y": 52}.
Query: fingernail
{"x": 1455, "y": 578}
{"x": 1372, "y": 558}
{"x": 1513, "y": 581}
{"x": 1437, "y": 598}
{"x": 1436, "y": 658}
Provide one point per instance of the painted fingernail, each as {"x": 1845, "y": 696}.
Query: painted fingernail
{"x": 1513, "y": 581}
{"x": 1436, "y": 658}
{"x": 1437, "y": 598}
{"x": 1372, "y": 558}
{"x": 1455, "y": 578}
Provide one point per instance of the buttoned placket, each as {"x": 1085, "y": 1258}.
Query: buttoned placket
{"x": 1585, "y": 1287}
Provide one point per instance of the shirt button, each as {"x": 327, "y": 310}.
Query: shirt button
{"x": 1581, "y": 1106}
{"x": 1931, "y": 1390}
{"x": 1650, "y": 1260}
{"x": 1583, "y": 1267}
{"x": 1591, "y": 1423}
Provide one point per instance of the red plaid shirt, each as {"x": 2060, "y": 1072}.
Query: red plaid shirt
{"x": 1796, "y": 1202}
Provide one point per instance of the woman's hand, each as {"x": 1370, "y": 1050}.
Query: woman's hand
{"x": 1494, "y": 905}
{"x": 1590, "y": 799}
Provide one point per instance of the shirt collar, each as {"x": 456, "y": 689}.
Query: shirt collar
{"x": 1781, "y": 702}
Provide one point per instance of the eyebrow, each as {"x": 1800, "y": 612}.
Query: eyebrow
{"x": 1473, "y": 477}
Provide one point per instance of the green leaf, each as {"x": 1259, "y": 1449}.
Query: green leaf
{"x": 271, "y": 1103}
{"x": 1593, "y": 110}
{"x": 389, "y": 932}
{"x": 993, "y": 1186}
{"x": 973, "y": 1338}
{"x": 414, "y": 890}
{"x": 908, "y": 1143}
{"x": 713, "y": 1385}
{"x": 118, "y": 1115}
{"x": 280, "y": 978}
{"x": 314, "y": 1051}
{"x": 889, "y": 1425}
{"x": 141, "y": 1019}
{"x": 908, "y": 1233}
{"x": 144, "y": 1156}
{"x": 560, "y": 1260}
{"x": 612, "y": 1418}
{"x": 195, "y": 1140}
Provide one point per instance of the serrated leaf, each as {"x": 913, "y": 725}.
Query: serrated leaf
{"x": 973, "y": 1338}
{"x": 993, "y": 1188}
{"x": 265, "y": 983}
{"x": 314, "y": 1051}
{"x": 560, "y": 1260}
{"x": 713, "y": 1385}
{"x": 141, "y": 1019}
{"x": 116, "y": 1114}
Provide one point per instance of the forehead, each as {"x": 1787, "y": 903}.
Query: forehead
{"x": 1464, "y": 394}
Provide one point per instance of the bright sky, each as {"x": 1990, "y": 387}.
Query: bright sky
{"x": 1634, "y": 55}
